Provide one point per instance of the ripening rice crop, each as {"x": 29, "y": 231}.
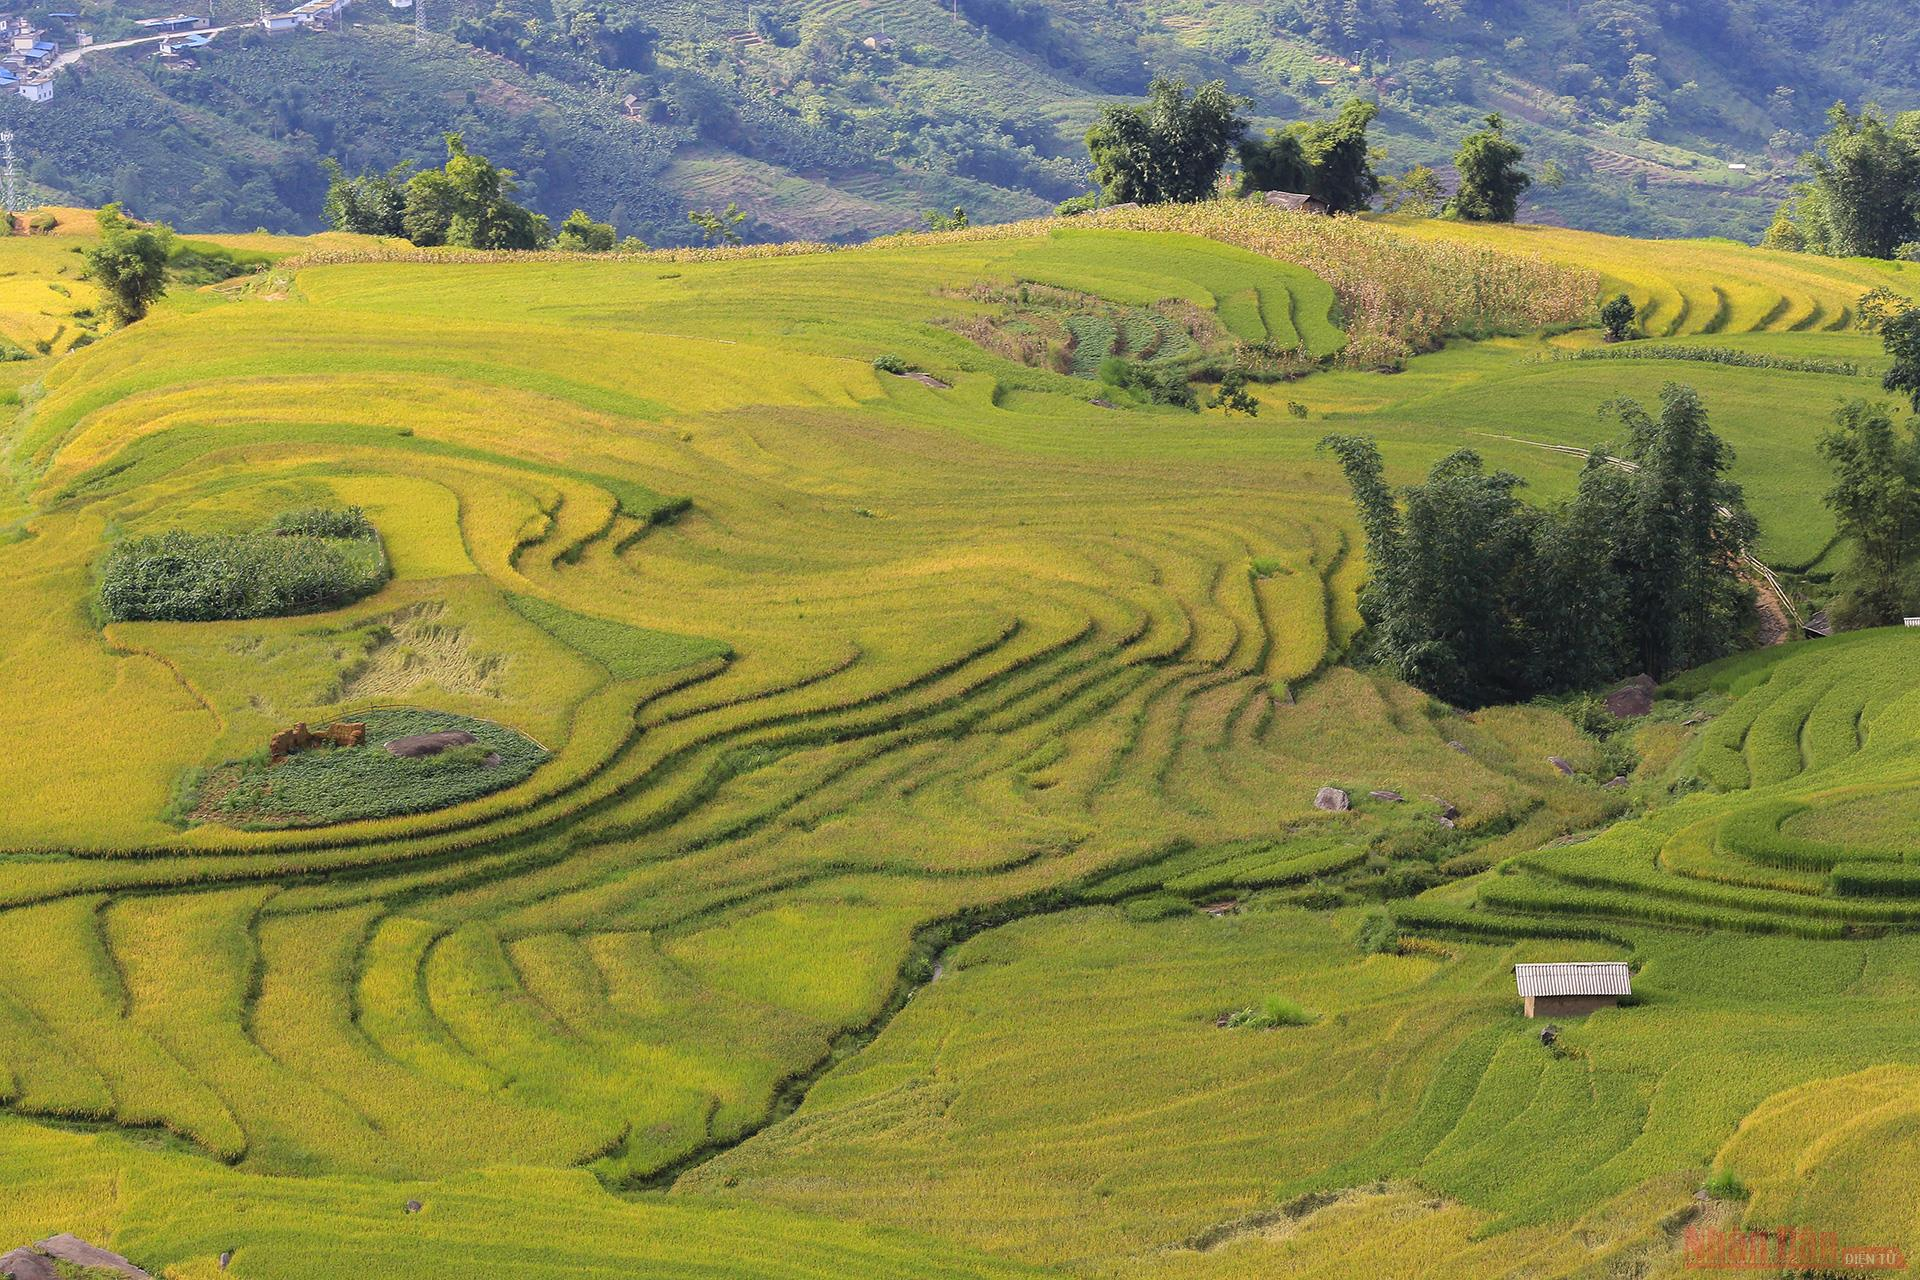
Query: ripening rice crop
{"x": 1693, "y": 287}
{"x": 817, "y": 668}
{"x": 1396, "y": 296}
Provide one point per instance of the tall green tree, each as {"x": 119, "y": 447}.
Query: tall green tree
{"x": 1445, "y": 571}
{"x": 1876, "y": 502}
{"x": 1868, "y": 173}
{"x": 720, "y": 227}
{"x": 1342, "y": 159}
{"x": 1491, "y": 179}
{"x": 1277, "y": 162}
{"x": 1170, "y": 149}
{"x": 1901, "y": 334}
{"x": 1571, "y": 610}
{"x": 1330, "y": 159}
{"x": 468, "y": 203}
{"x": 1337, "y": 157}
{"x": 129, "y": 264}
{"x": 372, "y": 204}
{"x": 1679, "y": 537}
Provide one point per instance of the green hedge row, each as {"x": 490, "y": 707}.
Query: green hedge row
{"x": 1715, "y": 355}
{"x": 1877, "y": 879}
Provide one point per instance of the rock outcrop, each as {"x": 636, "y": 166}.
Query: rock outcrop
{"x": 37, "y": 1261}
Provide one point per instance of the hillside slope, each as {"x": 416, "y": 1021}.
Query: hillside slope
{"x": 789, "y": 110}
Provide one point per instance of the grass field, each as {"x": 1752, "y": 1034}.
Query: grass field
{"x": 817, "y": 668}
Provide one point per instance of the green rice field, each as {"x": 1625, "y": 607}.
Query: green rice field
{"x": 868, "y": 747}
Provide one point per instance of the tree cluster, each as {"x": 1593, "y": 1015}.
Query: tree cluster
{"x": 1864, "y": 200}
{"x": 1329, "y": 159}
{"x": 1173, "y": 148}
{"x": 1876, "y": 492}
{"x": 1477, "y": 597}
{"x": 1170, "y": 149}
{"x": 467, "y": 203}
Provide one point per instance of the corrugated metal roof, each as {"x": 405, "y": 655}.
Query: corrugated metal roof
{"x": 1601, "y": 978}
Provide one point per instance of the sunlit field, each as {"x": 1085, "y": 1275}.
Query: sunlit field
{"x": 822, "y": 668}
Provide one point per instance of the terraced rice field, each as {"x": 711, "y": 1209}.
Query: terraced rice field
{"x": 1689, "y": 288}
{"x": 835, "y": 666}
{"x": 1806, "y": 824}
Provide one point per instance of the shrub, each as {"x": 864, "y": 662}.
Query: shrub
{"x": 1157, "y": 384}
{"x": 324, "y": 522}
{"x": 890, "y": 364}
{"x": 1274, "y": 1011}
{"x": 1724, "y": 1186}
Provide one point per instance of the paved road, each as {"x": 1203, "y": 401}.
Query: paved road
{"x": 72, "y": 56}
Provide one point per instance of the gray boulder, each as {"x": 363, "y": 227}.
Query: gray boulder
{"x": 25, "y": 1264}
{"x": 1333, "y": 800}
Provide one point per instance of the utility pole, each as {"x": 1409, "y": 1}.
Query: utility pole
{"x": 419, "y": 24}
{"x": 9, "y": 176}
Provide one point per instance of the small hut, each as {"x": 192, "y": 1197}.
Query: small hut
{"x": 1296, "y": 202}
{"x": 1570, "y": 989}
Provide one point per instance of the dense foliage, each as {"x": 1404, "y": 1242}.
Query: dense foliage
{"x": 1172, "y": 149}
{"x": 371, "y": 204}
{"x": 468, "y": 204}
{"x": 1330, "y": 159}
{"x": 579, "y": 233}
{"x": 298, "y": 566}
{"x": 1876, "y": 503}
{"x": 1865, "y": 197}
{"x": 324, "y": 522}
{"x": 1901, "y": 334}
{"x": 785, "y": 106}
{"x": 129, "y": 264}
{"x": 1617, "y": 315}
{"x": 1477, "y": 597}
{"x": 1491, "y": 179}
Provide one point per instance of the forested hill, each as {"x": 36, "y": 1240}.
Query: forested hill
{"x": 839, "y": 119}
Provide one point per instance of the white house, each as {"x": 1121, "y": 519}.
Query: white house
{"x": 37, "y": 90}
{"x": 176, "y": 22}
